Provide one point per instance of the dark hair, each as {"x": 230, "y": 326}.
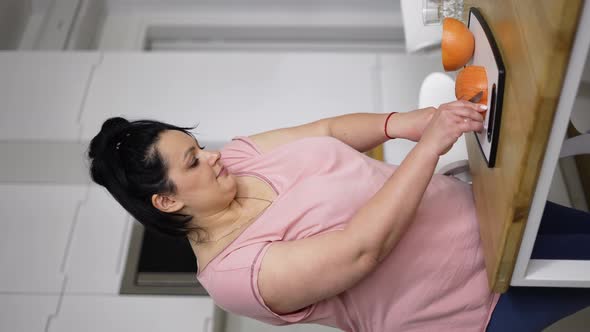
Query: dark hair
{"x": 124, "y": 159}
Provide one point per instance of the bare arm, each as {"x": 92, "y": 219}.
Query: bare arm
{"x": 392, "y": 208}
{"x": 362, "y": 131}
{"x": 299, "y": 273}
{"x": 295, "y": 274}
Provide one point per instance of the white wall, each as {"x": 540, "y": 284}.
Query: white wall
{"x": 370, "y": 83}
{"x": 400, "y": 78}
{"x": 258, "y": 4}
{"x": 586, "y": 73}
{"x": 64, "y": 242}
{"x": 399, "y": 75}
{"x": 581, "y": 112}
{"x": 258, "y": 91}
{"x": 127, "y": 21}
{"x": 395, "y": 82}
{"x": 14, "y": 15}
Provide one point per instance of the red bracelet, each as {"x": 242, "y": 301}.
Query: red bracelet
{"x": 387, "y": 120}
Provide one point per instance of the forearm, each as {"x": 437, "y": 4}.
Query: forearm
{"x": 379, "y": 224}
{"x": 363, "y": 131}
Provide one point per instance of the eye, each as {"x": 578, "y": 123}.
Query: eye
{"x": 195, "y": 163}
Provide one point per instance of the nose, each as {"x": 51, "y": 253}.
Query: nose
{"x": 213, "y": 157}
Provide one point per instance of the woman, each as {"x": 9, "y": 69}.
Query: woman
{"x": 296, "y": 225}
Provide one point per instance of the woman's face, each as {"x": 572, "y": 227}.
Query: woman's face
{"x": 196, "y": 173}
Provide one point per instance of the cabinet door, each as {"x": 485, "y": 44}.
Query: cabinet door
{"x": 30, "y": 313}
{"x": 134, "y": 313}
{"x": 99, "y": 245}
{"x": 401, "y": 77}
{"x": 229, "y": 94}
{"x": 42, "y": 94}
{"x": 36, "y": 223}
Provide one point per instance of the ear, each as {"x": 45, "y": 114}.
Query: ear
{"x": 166, "y": 203}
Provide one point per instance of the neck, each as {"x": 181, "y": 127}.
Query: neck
{"x": 244, "y": 207}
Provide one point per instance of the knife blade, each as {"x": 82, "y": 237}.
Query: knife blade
{"x": 477, "y": 97}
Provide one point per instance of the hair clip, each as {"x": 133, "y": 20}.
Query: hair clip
{"x": 119, "y": 143}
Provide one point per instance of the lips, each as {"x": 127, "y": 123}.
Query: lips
{"x": 220, "y": 171}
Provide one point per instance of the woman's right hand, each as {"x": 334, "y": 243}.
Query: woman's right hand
{"x": 449, "y": 122}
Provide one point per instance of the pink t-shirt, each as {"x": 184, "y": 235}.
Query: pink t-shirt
{"x": 433, "y": 280}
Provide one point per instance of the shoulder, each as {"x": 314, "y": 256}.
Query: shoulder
{"x": 238, "y": 152}
{"x": 241, "y": 145}
{"x": 233, "y": 284}
{"x": 267, "y": 141}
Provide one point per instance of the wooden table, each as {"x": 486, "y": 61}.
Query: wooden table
{"x": 535, "y": 38}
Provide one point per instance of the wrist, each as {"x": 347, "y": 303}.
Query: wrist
{"x": 392, "y": 127}
{"x": 424, "y": 149}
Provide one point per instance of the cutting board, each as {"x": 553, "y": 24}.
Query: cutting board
{"x": 487, "y": 55}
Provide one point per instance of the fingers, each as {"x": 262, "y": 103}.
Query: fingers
{"x": 447, "y": 126}
{"x": 465, "y": 109}
{"x": 467, "y": 125}
{"x": 467, "y": 104}
{"x": 464, "y": 124}
{"x": 467, "y": 113}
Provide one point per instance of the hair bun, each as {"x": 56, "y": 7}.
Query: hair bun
{"x": 113, "y": 126}
{"x": 110, "y": 128}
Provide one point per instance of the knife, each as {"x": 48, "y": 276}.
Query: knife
{"x": 477, "y": 97}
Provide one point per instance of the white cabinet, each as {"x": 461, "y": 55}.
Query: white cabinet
{"x": 401, "y": 77}
{"x": 26, "y": 313}
{"x": 134, "y": 313}
{"x": 99, "y": 245}
{"x": 229, "y": 94}
{"x": 74, "y": 239}
{"x": 36, "y": 223}
{"x": 42, "y": 94}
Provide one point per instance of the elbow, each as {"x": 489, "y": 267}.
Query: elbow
{"x": 369, "y": 259}
{"x": 376, "y": 253}
{"x": 326, "y": 127}
{"x": 367, "y": 250}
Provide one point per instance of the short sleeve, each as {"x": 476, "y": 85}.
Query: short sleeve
{"x": 294, "y": 317}
{"x": 234, "y": 287}
{"x": 238, "y": 151}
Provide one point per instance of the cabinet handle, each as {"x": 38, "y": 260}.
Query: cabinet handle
{"x": 207, "y": 325}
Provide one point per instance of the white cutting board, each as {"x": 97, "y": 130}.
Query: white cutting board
{"x": 486, "y": 54}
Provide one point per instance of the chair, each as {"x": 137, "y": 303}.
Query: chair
{"x": 575, "y": 171}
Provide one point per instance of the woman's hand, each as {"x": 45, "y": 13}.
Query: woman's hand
{"x": 410, "y": 125}
{"x": 449, "y": 122}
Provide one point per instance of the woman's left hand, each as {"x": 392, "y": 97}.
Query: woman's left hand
{"x": 411, "y": 125}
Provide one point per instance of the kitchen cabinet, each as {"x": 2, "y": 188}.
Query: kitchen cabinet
{"x": 43, "y": 93}
{"x": 401, "y": 77}
{"x": 26, "y": 312}
{"x": 70, "y": 241}
{"x": 229, "y": 94}
{"x": 134, "y": 313}
{"x": 37, "y": 222}
{"x": 99, "y": 245}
